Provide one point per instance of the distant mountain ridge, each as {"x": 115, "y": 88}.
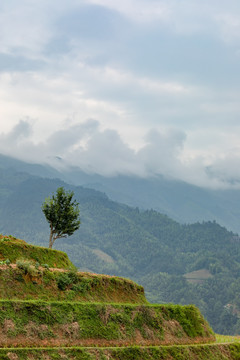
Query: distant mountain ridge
{"x": 181, "y": 201}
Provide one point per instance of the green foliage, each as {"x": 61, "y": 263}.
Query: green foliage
{"x": 5, "y": 262}
{"x": 45, "y": 266}
{"x": 63, "y": 281}
{"x": 76, "y": 283}
{"x": 15, "y": 249}
{"x": 83, "y": 287}
{"x": 201, "y": 352}
{"x": 101, "y": 322}
{"x": 62, "y": 214}
{"x": 29, "y": 282}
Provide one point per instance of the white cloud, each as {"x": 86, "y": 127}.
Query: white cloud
{"x": 78, "y": 91}
{"x": 155, "y": 65}
{"x": 23, "y": 28}
{"x": 104, "y": 152}
{"x": 26, "y": 27}
{"x": 161, "y": 152}
{"x": 137, "y": 10}
{"x": 229, "y": 24}
{"x": 218, "y": 18}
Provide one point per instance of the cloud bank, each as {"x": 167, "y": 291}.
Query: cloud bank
{"x": 159, "y": 78}
{"x": 104, "y": 152}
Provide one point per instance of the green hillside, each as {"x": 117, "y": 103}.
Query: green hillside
{"x": 146, "y": 246}
{"x": 39, "y": 323}
{"x": 51, "y": 313}
{"x": 13, "y": 249}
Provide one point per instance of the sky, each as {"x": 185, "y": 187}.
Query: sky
{"x": 135, "y": 87}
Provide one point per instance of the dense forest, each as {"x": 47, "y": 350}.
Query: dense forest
{"x": 178, "y": 263}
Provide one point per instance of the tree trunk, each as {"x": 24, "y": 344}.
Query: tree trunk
{"x": 51, "y": 240}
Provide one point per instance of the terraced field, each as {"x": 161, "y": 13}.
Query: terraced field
{"x": 58, "y": 313}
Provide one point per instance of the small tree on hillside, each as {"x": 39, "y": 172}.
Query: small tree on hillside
{"x": 62, "y": 214}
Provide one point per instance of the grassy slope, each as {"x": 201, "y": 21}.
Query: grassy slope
{"x": 59, "y": 323}
{"x": 39, "y": 323}
{"x": 14, "y": 249}
{"x": 26, "y": 277}
{"x": 43, "y": 284}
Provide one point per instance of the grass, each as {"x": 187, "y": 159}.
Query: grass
{"x": 61, "y": 323}
{"x": 224, "y": 339}
{"x": 26, "y": 282}
{"x": 200, "y": 352}
{"x": 92, "y": 310}
{"x": 14, "y": 249}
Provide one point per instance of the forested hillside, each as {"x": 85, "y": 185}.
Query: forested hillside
{"x": 145, "y": 246}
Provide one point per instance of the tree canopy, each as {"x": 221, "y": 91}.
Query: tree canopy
{"x": 62, "y": 214}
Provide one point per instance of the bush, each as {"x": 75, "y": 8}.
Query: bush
{"x": 71, "y": 280}
{"x": 63, "y": 281}
{"x": 73, "y": 276}
{"x": 83, "y": 286}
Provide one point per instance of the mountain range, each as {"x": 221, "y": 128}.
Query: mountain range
{"x": 181, "y": 201}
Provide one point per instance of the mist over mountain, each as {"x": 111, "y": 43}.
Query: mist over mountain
{"x": 181, "y": 201}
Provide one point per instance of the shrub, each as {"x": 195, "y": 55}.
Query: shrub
{"x": 5, "y": 239}
{"x": 82, "y": 287}
{"x": 73, "y": 276}
{"x": 5, "y": 262}
{"x": 63, "y": 281}
{"x": 45, "y": 266}
{"x": 71, "y": 280}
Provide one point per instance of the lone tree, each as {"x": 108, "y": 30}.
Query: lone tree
{"x": 62, "y": 214}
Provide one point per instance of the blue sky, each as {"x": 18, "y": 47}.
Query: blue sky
{"x": 136, "y": 87}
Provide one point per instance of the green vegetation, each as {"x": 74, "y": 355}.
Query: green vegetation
{"x": 57, "y": 323}
{"x": 227, "y": 339}
{"x": 200, "y": 352}
{"x": 13, "y": 249}
{"x": 26, "y": 281}
{"x": 62, "y": 214}
{"x": 145, "y": 246}
{"x": 73, "y": 326}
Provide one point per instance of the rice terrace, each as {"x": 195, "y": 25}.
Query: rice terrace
{"x": 51, "y": 311}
